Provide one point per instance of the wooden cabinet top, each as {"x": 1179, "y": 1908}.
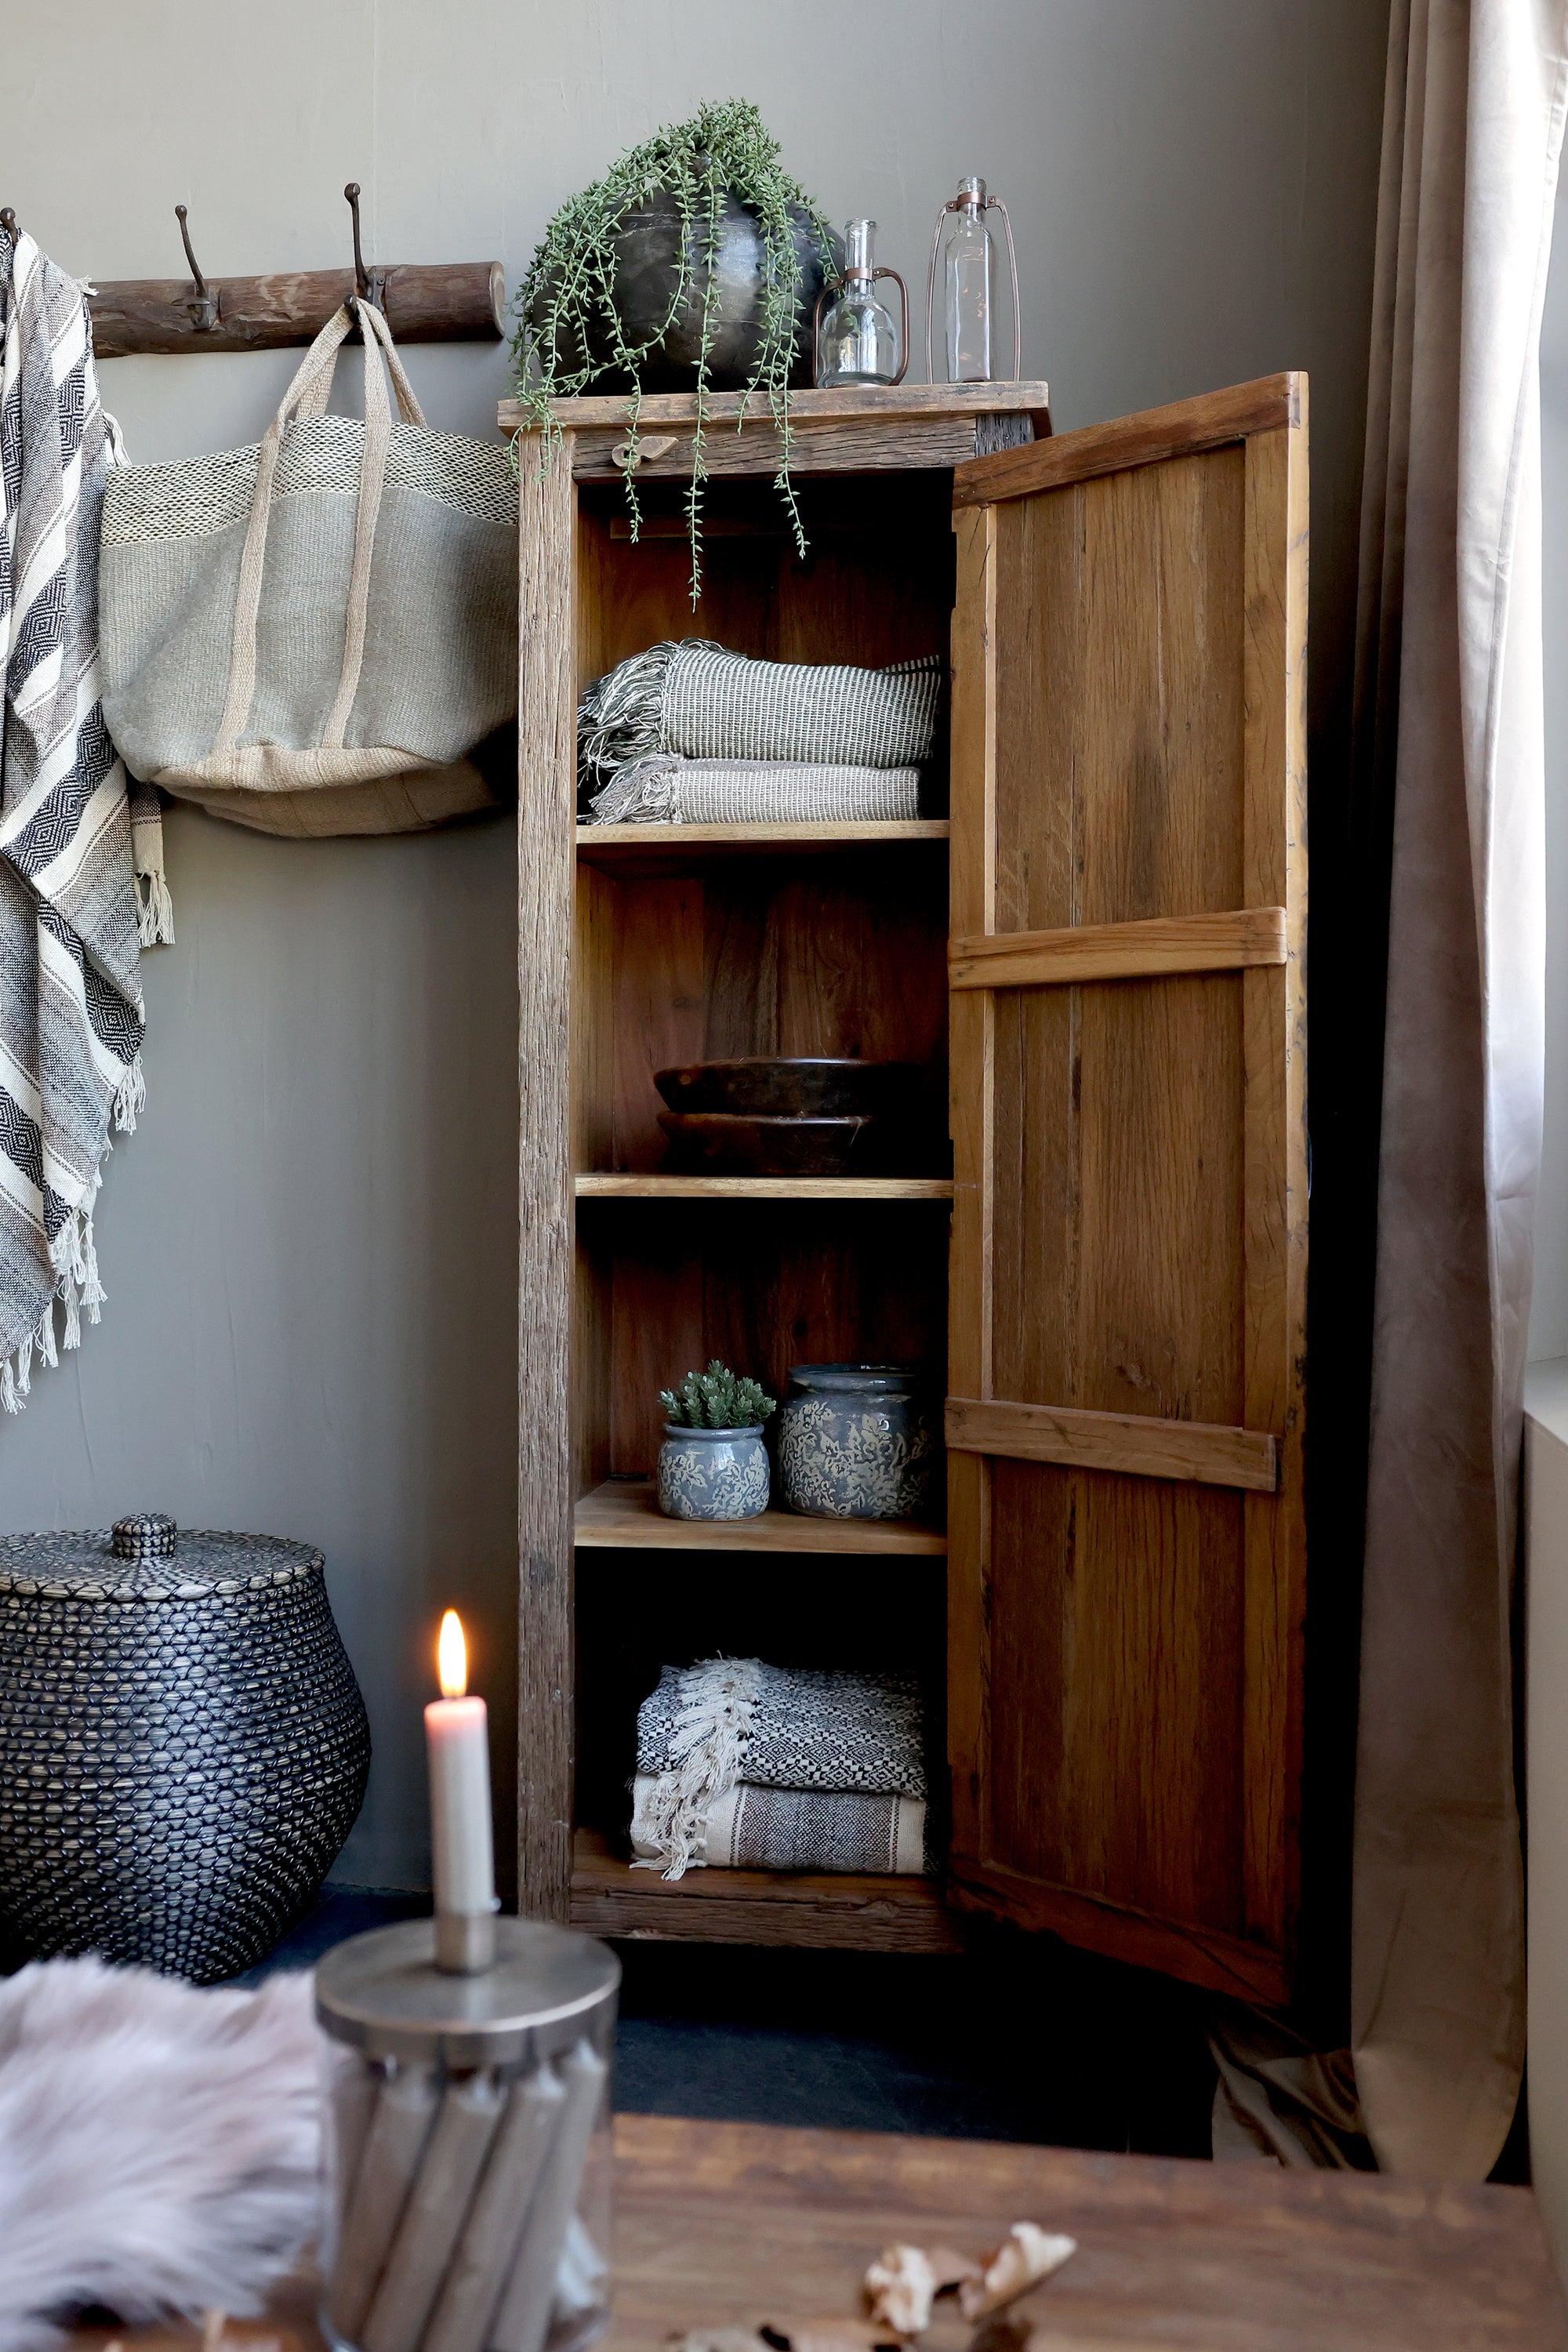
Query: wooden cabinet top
{"x": 868, "y": 428}
{"x": 881, "y": 401}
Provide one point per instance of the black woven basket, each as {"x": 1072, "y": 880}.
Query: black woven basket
{"x": 183, "y": 1745}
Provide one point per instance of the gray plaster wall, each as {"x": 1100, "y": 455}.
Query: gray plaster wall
{"x": 309, "y": 1245}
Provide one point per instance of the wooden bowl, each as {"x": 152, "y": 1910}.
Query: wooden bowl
{"x": 722, "y": 1143}
{"x": 761, "y": 1086}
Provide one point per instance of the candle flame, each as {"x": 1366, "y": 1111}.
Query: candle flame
{"x": 452, "y": 1656}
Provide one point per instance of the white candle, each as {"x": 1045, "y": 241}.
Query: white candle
{"x": 456, "y": 1732}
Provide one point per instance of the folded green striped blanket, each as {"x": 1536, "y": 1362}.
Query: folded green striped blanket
{"x": 698, "y": 700}
{"x": 667, "y": 790}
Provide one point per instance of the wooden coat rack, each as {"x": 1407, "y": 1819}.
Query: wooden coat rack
{"x": 440, "y": 302}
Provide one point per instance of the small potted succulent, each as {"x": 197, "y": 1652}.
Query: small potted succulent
{"x": 713, "y": 1463}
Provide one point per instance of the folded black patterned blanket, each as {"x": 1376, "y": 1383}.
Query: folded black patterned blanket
{"x": 726, "y": 1721}
{"x": 795, "y": 1829}
{"x": 701, "y": 701}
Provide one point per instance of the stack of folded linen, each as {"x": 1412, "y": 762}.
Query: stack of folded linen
{"x": 693, "y": 734}
{"x": 750, "y": 1767}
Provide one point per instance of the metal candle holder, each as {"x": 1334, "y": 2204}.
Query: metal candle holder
{"x": 467, "y": 2155}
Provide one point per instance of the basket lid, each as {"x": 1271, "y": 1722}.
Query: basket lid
{"x": 147, "y": 1558}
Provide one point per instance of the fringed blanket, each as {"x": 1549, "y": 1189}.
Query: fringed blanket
{"x": 710, "y": 1727}
{"x": 795, "y": 1829}
{"x": 70, "y": 999}
{"x": 701, "y": 701}
{"x": 667, "y": 790}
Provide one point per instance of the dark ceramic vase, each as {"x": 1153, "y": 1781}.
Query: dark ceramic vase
{"x": 648, "y": 268}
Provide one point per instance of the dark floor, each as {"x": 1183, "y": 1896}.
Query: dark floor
{"x": 1021, "y": 2039}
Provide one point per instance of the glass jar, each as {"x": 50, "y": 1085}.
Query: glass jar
{"x": 856, "y": 341}
{"x": 465, "y": 2143}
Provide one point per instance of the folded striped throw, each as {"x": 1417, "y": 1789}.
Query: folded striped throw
{"x": 667, "y": 790}
{"x": 749, "y": 1828}
{"x": 700, "y": 701}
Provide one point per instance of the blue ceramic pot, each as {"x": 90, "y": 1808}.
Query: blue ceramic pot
{"x": 712, "y": 1473}
{"x": 858, "y": 1442}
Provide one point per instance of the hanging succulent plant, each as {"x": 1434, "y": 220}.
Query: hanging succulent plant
{"x": 694, "y": 263}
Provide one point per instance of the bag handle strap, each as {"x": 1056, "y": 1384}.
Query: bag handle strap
{"x": 371, "y": 479}
{"x": 312, "y": 377}
{"x": 306, "y": 396}
{"x": 314, "y": 403}
{"x": 408, "y": 405}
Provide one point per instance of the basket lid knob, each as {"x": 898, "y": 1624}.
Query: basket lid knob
{"x": 146, "y": 1535}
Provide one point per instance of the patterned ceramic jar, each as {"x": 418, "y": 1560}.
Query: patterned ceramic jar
{"x": 712, "y": 1473}
{"x": 858, "y": 1442}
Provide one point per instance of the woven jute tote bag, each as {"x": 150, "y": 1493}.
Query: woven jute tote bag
{"x": 310, "y": 636}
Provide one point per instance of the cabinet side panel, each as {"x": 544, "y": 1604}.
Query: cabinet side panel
{"x": 1276, "y": 1162}
{"x": 546, "y": 796}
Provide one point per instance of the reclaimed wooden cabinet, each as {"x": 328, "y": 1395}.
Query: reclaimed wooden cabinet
{"x": 1104, "y": 934}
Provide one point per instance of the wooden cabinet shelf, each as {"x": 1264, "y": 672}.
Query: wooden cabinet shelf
{"x": 624, "y": 1514}
{"x": 847, "y": 1911}
{"x": 762, "y": 1188}
{"x": 626, "y": 849}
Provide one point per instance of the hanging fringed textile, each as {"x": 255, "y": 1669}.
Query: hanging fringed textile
{"x": 70, "y": 998}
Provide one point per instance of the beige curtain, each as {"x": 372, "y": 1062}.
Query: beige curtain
{"x": 1449, "y": 723}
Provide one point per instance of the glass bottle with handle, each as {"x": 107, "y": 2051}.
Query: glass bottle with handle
{"x": 968, "y": 286}
{"x": 856, "y": 341}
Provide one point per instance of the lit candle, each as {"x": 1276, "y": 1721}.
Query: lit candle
{"x": 457, "y": 1734}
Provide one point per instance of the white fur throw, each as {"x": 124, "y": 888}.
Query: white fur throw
{"x": 158, "y": 2145}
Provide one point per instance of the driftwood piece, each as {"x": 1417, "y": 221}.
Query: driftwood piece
{"x": 440, "y": 302}
{"x": 1027, "y": 2255}
{"x": 899, "y": 2288}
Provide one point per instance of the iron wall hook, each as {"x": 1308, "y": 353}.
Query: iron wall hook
{"x": 202, "y": 305}
{"x": 371, "y": 283}
{"x": 9, "y": 222}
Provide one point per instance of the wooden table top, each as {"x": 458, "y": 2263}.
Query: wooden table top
{"x": 739, "y": 2224}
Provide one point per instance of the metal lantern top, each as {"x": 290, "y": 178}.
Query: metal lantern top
{"x": 550, "y": 1987}
{"x": 148, "y": 1558}
{"x": 972, "y": 202}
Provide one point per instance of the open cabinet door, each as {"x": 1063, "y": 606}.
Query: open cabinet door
{"x": 1126, "y": 1540}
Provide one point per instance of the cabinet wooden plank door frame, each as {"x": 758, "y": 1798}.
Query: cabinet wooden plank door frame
{"x": 546, "y": 809}
{"x": 1261, "y": 942}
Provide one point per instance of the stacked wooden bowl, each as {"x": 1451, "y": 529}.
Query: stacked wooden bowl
{"x": 774, "y": 1116}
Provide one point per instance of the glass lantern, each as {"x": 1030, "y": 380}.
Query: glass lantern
{"x": 969, "y": 267}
